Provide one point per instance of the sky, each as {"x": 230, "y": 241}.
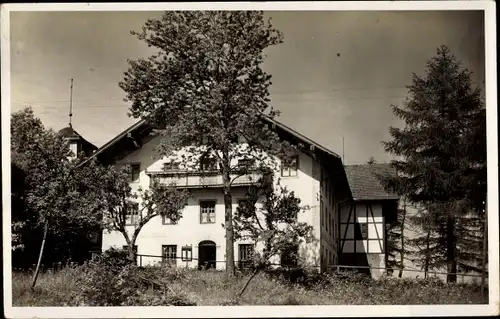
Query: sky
{"x": 335, "y": 76}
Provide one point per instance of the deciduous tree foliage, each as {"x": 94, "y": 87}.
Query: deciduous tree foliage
{"x": 205, "y": 86}
{"x": 442, "y": 146}
{"x": 158, "y": 200}
{"x": 269, "y": 217}
{"x": 57, "y": 194}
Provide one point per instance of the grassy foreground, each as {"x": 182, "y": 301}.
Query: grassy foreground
{"x": 212, "y": 288}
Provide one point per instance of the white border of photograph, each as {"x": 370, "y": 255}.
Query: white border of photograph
{"x": 264, "y": 311}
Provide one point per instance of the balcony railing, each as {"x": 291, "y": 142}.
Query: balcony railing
{"x": 197, "y": 179}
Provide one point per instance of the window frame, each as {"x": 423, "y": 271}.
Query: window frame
{"x": 188, "y": 253}
{"x": 200, "y": 203}
{"x": 243, "y": 248}
{"x": 128, "y": 215}
{"x": 208, "y": 163}
{"x": 169, "y": 260}
{"x": 131, "y": 174}
{"x": 286, "y": 166}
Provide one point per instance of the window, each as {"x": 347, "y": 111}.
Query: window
{"x": 171, "y": 166}
{"x": 208, "y": 163}
{"x": 289, "y": 167}
{"x": 245, "y": 255}
{"x": 169, "y": 254}
{"x": 168, "y": 221}
{"x": 135, "y": 170}
{"x": 132, "y": 214}
{"x": 74, "y": 148}
{"x": 245, "y": 163}
{"x": 361, "y": 232}
{"x": 187, "y": 253}
{"x": 207, "y": 212}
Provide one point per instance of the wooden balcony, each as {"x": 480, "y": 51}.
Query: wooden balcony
{"x": 207, "y": 179}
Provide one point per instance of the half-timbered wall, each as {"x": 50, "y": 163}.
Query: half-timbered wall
{"x": 362, "y": 235}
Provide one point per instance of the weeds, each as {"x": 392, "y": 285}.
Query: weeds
{"x": 106, "y": 281}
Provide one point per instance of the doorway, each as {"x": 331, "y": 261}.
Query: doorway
{"x": 207, "y": 255}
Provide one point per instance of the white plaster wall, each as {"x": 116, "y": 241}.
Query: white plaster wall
{"x": 189, "y": 230}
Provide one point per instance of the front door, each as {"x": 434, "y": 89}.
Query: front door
{"x": 206, "y": 254}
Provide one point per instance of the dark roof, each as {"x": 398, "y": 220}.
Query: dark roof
{"x": 365, "y": 184}
{"x": 70, "y": 133}
{"x": 138, "y": 125}
{"x": 302, "y": 137}
{"x": 143, "y": 123}
{"x": 142, "y": 127}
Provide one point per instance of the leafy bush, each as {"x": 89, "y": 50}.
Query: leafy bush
{"x": 111, "y": 280}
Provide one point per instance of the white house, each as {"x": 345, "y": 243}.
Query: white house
{"x": 317, "y": 177}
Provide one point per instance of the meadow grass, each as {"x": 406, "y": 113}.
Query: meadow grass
{"x": 213, "y": 288}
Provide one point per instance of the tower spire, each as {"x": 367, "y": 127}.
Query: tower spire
{"x": 70, "y": 102}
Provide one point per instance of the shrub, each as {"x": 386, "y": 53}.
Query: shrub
{"x": 111, "y": 280}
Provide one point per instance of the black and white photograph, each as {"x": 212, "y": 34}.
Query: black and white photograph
{"x": 304, "y": 157}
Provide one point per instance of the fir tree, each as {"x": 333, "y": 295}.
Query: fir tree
{"x": 442, "y": 148}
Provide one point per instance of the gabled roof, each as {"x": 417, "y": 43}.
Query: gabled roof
{"x": 364, "y": 183}
{"x": 302, "y": 137}
{"x": 143, "y": 124}
{"x": 138, "y": 125}
{"x": 126, "y": 142}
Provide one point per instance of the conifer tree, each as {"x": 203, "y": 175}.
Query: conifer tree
{"x": 442, "y": 148}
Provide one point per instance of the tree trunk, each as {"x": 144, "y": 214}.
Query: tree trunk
{"x": 131, "y": 254}
{"x": 401, "y": 254}
{"x": 451, "y": 249}
{"x": 228, "y": 215}
{"x": 37, "y": 270}
{"x": 427, "y": 255}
